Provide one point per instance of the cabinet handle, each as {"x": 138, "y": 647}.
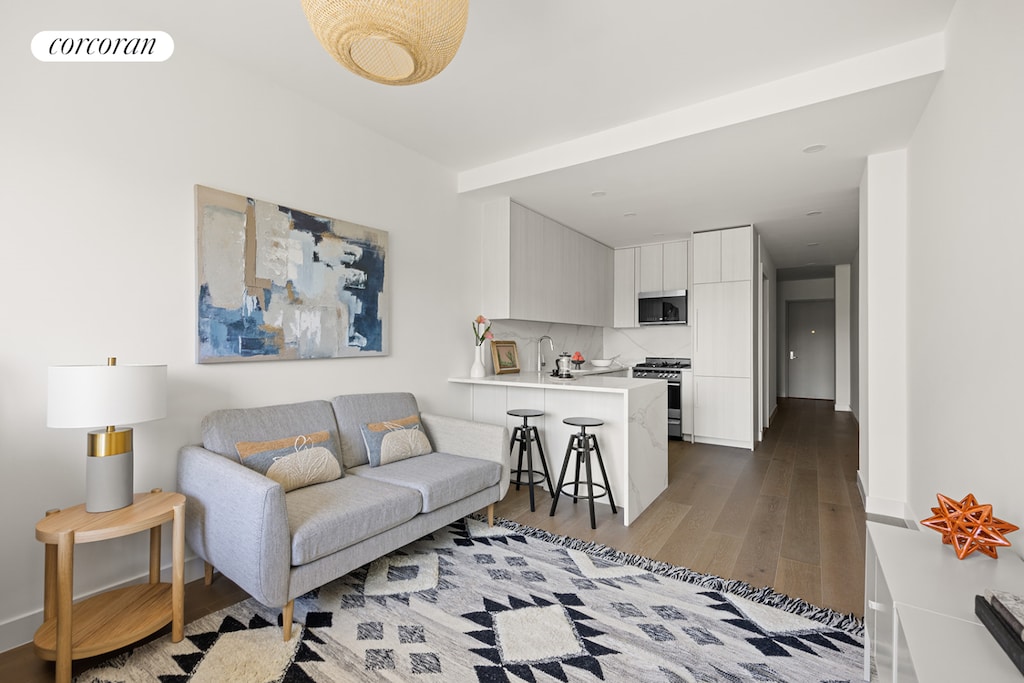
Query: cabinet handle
{"x": 696, "y": 326}
{"x": 877, "y": 606}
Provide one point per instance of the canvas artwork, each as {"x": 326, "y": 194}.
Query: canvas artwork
{"x": 276, "y": 283}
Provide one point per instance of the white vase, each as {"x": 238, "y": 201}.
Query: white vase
{"x": 478, "y": 365}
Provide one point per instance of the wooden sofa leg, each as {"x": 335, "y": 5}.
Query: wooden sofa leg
{"x": 490, "y": 515}
{"x": 286, "y": 619}
{"x": 207, "y": 573}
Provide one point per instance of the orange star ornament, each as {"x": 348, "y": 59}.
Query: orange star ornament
{"x": 969, "y": 526}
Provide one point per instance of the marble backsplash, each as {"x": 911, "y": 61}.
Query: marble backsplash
{"x": 627, "y": 345}
{"x": 569, "y": 338}
{"x": 633, "y": 344}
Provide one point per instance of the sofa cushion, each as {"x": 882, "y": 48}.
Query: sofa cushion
{"x": 292, "y": 461}
{"x": 352, "y": 411}
{"x": 440, "y": 478}
{"x": 222, "y": 429}
{"x": 394, "y": 440}
{"x": 326, "y": 518}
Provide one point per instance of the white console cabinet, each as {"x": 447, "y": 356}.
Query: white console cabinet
{"x": 919, "y": 609}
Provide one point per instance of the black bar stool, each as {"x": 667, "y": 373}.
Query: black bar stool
{"x": 583, "y": 444}
{"x": 526, "y": 435}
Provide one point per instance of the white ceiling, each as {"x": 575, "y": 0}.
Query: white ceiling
{"x": 691, "y": 114}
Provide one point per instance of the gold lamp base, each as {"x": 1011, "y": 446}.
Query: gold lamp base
{"x": 109, "y": 470}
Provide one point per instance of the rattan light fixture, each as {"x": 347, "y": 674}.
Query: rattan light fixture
{"x": 396, "y": 42}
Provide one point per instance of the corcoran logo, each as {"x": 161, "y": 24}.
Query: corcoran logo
{"x": 102, "y": 46}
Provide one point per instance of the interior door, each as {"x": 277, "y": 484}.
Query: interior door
{"x": 811, "y": 334}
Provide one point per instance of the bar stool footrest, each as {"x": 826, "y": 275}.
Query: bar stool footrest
{"x": 537, "y": 478}
{"x": 603, "y": 491}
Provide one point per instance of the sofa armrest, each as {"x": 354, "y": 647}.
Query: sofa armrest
{"x": 235, "y": 519}
{"x": 470, "y": 439}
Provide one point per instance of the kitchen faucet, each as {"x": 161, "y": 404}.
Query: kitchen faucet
{"x": 540, "y": 352}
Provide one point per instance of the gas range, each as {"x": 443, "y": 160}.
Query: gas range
{"x": 661, "y": 368}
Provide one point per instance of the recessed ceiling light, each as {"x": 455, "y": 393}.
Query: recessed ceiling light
{"x": 813, "y": 149}
{"x": 814, "y": 244}
{"x": 598, "y": 193}
{"x": 629, "y": 214}
{"x": 816, "y": 212}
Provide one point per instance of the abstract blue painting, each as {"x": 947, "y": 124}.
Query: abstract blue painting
{"x": 276, "y": 283}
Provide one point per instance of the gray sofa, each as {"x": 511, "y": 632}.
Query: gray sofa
{"x": 277, "y": 546}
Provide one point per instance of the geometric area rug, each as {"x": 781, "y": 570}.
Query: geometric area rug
{"x": 510, "y": 603}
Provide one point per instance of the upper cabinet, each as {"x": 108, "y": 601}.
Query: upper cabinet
{"x": 649, "y": 268}
{"x": 627, "y": 273}
{"x": 664, "y": 267}
{"x": 723, "y": 255}
{"x": 539, "y": 269}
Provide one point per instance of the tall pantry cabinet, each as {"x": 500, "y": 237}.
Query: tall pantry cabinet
{"x": 723, "y": 348}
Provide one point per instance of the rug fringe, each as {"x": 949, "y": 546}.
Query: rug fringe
{"x": 848, "y": 623}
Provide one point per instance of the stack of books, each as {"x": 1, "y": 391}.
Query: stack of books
{"x": 1002, "y": 614}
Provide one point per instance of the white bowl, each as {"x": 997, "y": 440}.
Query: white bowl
{"x": 600, "y": 363}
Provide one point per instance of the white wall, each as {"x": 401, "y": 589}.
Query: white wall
{"x": 965, "y": 295}
{"x": 883, "y": 337}
{"x": 843, "y": 337}
{"x": 97, "y": 170}
{"x": 795, "y": 290}
{"x": 855, "y": 336}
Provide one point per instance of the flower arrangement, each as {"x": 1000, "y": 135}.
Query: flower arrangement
{"x": 485, "y": 324}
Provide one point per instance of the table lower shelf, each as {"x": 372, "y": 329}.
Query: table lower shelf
{"x": 109, "y": 621}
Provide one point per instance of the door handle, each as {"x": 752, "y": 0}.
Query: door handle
{"x": 792, "y": 355}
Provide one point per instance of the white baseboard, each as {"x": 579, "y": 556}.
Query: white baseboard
{"x": 20, "y": 630}
{"x": 748, "y": 445}
{"x": 888, "y": 508}
{"x": 843, "y": 408}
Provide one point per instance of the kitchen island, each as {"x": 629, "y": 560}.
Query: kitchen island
{"x": 633, "y": 439}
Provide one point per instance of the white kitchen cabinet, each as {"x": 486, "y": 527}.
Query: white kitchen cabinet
{"x": 664, "y": 267}
{"x": 686, "y": 401}
{"x": 737, "y": 252}
{"x": 723, "y": 329}
{"x": 651, "y": 268}
{"x": 625, "y": 300}
{"x": 707, "y": 257}
{"x": 675, "y": 266}
{"x": 919, "y": 608}
{"x": 539, "y": 269}
{"x": 723, "y": 255}
{"x": 722, "y": 319}
{"x": 595, "y": 281}
{"x": 721, "y": 410}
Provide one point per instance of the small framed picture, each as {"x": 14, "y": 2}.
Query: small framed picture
{"x": 505, "y": 356}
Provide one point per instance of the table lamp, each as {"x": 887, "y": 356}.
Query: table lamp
{"x": 93, "y": 395}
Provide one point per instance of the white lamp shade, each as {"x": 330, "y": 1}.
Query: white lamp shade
{"x": 101, "y": 395}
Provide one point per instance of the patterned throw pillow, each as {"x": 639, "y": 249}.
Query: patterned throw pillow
{"x": 294, "y": 461}
{"x": 395, "y": 440}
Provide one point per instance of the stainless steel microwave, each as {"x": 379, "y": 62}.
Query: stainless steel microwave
{"x": 662, "y": 308}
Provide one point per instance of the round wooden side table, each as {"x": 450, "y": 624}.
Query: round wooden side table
{"x": 118, "y": 617}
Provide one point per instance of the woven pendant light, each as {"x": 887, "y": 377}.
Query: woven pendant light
{"x": 396, "y": 42}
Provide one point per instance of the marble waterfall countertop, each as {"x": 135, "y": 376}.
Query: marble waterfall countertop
{"x": 634, "y": 436}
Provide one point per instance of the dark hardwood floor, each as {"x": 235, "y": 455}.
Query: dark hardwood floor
{"x": 786, "y": 515}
